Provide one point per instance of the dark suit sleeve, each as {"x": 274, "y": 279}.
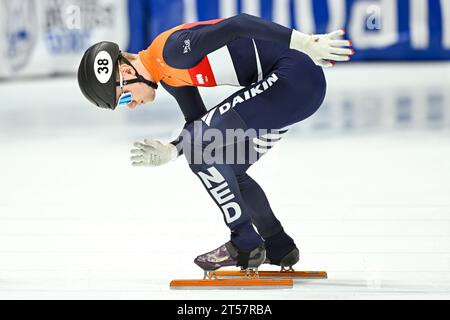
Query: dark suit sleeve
{"x": 206, "y": 38}
{"x": 189, "y": 100}
{"x": 191, "y": 104}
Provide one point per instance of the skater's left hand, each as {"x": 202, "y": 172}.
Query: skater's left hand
{"x": 323, "y": 49}
{"x": 152, "y": 153}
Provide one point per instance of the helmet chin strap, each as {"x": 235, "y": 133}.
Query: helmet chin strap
{"x": 139, "y": 77}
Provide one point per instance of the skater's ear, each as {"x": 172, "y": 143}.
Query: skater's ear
{"x": 126, "y": 69}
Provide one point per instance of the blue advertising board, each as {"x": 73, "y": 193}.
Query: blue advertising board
{"x": 379, "y": 29}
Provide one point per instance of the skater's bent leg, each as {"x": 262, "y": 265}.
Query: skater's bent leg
{"x": 263, "y": 216}
{"x": 220, "y": 180}
{"x": 278, "y": 243}
{"x": 293, "y": 91}
{"x": 221, "y": 183}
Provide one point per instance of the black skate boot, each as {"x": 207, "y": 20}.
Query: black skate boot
{"x": 287, "y": 261}
{"x": 228, "y": 255}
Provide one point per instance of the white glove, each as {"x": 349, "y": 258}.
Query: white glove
{"x": 322, "y": 47}
{"x": 152, "y": 153}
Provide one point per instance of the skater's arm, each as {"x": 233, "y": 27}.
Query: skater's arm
{"x": 189, "y": 100}
{"x": 191, "y": 104}
{"x": 153, "y": 153}
{"x": 240, "y": 26}
{"x": 208, "y": 37}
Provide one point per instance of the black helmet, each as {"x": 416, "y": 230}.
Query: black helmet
{"x": 97, "y": 74}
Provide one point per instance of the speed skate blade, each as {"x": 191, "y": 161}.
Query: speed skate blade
{"x": 232, "y": 283}
{"x": 277, "y": 274}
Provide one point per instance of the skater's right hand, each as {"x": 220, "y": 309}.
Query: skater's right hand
{"x": 152, "y": 153}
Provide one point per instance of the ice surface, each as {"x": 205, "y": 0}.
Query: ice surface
{"x": 363, "y": 187}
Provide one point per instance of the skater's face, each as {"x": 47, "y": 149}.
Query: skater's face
{"x": 140, "y": 92}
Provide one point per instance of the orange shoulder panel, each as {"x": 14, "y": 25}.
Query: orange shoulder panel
{"x": 154, "y": 62}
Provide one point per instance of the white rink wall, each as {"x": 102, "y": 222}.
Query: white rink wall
{"x": 363, "y": 186}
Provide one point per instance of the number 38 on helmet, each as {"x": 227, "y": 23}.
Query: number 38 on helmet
{"x": 97, "y": 74}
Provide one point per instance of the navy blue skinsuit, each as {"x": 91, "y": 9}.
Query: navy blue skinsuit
{"x": 281, "y": 87}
